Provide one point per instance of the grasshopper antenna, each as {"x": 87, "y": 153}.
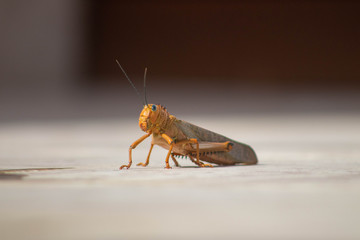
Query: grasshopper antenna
{"x": 145, "y": 98}
{"x": 132, "y": 84}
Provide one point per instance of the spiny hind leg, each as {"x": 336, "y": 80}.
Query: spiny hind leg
{"x": 192, "y": 159}
{"x": 189, "y": 142}
{"x": 147, "y": 159}
{"x": 206, "y": 148}
{"x": 199, "y": 163}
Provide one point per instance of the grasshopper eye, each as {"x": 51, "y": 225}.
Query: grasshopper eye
{"x": 153, "y": 108}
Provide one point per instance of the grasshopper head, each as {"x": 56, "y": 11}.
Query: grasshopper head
{"x": 148, "y": 116}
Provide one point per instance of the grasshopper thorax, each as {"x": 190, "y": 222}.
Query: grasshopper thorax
{"x": 154, "y": 118}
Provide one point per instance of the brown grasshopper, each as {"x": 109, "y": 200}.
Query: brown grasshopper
{"x": 181, "y": 138}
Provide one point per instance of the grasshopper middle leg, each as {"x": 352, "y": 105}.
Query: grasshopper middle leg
{"x": 170, "y": 141}
{"x": 175, "y": 161}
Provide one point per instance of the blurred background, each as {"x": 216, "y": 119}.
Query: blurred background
{"x": 281, "y": 76}
{"x": 204, "y": 57}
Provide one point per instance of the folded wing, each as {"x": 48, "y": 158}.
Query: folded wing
{"x": 239, "y": 153}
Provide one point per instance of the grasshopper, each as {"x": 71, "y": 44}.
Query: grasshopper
{"x": 183, "y": 139}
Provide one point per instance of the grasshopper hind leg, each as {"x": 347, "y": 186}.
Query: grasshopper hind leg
{"x": 199, "y": 163}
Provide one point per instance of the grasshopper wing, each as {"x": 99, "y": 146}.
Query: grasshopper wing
{"x": 240, "y": 152}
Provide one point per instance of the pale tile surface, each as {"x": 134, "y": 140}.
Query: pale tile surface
{"x": 307, "y": 183}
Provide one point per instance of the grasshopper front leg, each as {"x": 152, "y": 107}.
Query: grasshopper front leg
{"x": 132, "y": 146}
{"x": 147, "y": 159}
